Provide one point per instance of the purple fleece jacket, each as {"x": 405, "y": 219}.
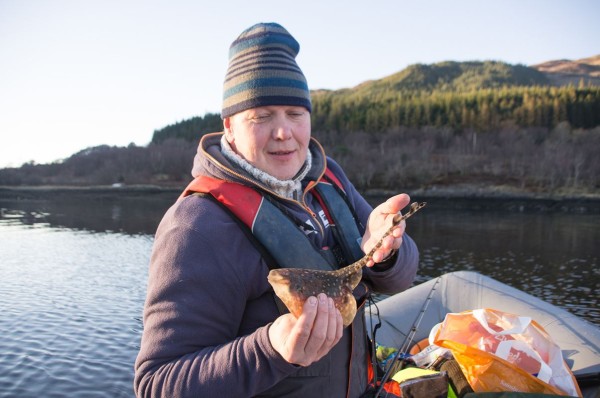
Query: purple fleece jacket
{"x": 209, "y": 305}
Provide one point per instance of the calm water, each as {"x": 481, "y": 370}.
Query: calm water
{"x": 74, "y": 272}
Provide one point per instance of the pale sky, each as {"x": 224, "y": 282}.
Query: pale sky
{"x": 81, "y": 73}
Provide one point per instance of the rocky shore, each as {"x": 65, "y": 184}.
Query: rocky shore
{"x": 500, "y": 197}
{"x": 463, "y": 196}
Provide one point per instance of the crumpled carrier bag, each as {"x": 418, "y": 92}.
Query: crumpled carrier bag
{"x": 498, "y": 351}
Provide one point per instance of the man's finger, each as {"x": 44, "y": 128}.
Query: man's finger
{"x": 300, "y": 333}
{"x": 332, "y": 330}
{"x": 394, "y": 204}
{"x": 318, "y": 334}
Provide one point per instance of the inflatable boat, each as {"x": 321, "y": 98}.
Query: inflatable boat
{"x": 423, "y": 306}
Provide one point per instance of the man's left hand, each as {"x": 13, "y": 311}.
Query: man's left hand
{"x": 379, "y": 222}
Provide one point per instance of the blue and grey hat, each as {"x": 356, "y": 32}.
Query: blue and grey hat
{"x": 263, "y": 71}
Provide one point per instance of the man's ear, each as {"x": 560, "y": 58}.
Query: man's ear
{"x": 227, "y": 129}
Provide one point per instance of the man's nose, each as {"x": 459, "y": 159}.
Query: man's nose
{"x": 282, "y": 130}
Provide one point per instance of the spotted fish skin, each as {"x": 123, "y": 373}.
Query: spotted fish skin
{"x": 294, "y": 285}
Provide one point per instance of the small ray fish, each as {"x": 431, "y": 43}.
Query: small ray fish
{"x": 294, "y": 285}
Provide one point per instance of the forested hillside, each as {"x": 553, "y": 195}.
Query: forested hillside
{"x": 469, "y": 95}
{"x": 447, "y": 123}
{"x": 478, "y": 109}
{"x": 456, "y": 76}
{"x": 188, "y": 129}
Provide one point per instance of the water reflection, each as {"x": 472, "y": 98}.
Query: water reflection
{"x": 553, "y": 256}
{"x": 131, "y": 215}
{"x": 535, "y": 246}
{"x": 74, "y": 271}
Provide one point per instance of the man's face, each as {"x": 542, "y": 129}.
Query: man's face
{"x": 273, "y": 139}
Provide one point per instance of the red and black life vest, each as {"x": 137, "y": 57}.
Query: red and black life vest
{"x": 278, "y": 234}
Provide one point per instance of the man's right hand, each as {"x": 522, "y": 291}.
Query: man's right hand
{"x": 307, "y": 339}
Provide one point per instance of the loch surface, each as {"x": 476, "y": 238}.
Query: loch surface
{"x": 74, "y": 275}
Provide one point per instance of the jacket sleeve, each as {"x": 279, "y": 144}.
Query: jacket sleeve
{"x": 401, "y": 275}
{"x": 199, "y": 284}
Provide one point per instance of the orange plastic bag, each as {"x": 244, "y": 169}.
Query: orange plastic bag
{"x": 499, "y": 351}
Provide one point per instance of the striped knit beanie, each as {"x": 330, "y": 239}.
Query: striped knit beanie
{"x": 263, "y": 71}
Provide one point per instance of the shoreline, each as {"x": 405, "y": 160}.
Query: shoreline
{"x": 464, "y": 196}
{"x": 99, "y": 191}
{"x": 495, "y": 197}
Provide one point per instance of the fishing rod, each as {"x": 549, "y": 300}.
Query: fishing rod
{"x": 408, "y": 339}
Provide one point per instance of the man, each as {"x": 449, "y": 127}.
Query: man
{"x": 264, "y": 195}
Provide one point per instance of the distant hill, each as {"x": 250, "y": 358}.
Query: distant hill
{"x": 563, "y": 72}
{"x": 473, "y": 75}
{"x": 452, "y": 94}
{"x": 458, "y": 76}
{"x": 188, "y": 129}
